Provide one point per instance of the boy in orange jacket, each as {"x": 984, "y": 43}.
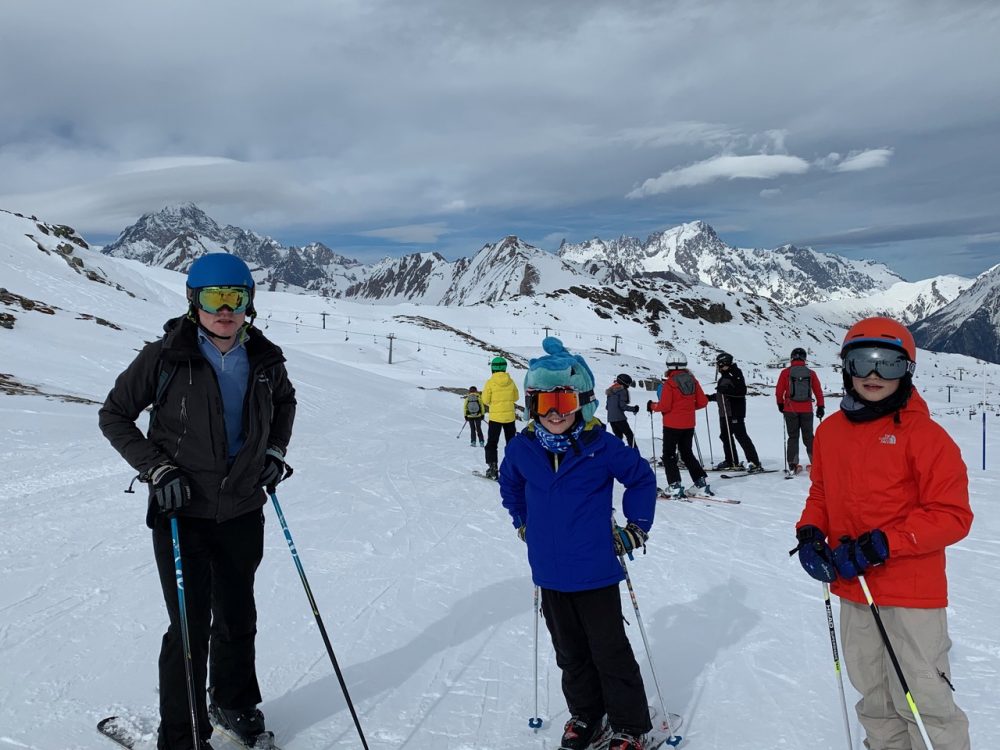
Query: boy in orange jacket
{"x": 890, "y": 493}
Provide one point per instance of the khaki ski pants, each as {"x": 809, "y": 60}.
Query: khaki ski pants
{"x": 920, "y": 640}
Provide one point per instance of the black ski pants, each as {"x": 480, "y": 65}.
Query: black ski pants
{"x": 475, "y": 429}
{"x": 675, "y": 440}
{"x": 732, "y": 431}
{"x": 622, "y": 431}
{"x": 795, "y": 423}
{"x": 599, "y": 671}
{"x": 218, "y": 562}
{"x": 493, "y": 438}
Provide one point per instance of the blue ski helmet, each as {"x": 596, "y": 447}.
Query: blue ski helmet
{"x": 219, "y": 269}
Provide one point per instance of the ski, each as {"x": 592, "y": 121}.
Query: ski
{"x": 749, "y": 474}
{"x": 123, "y": 733}
{"x": 664, "y": 495}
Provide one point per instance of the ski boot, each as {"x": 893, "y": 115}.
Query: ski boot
{"x": 675, "y": 491}
{"x": 701, "y": 487}
{"x": 626, "y": 741}
{"x": 730, "y": 466}
{"x": 579, "y": 734}
{"x": 482, "y": 444}
{"x": 753, "y": 468}
{"x": 246, "y": 725}
{"x": 492, "y": 472}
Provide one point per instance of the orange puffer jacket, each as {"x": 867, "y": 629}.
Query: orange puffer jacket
{"x": 906, "y": 478}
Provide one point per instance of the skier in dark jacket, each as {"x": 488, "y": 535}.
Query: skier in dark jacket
{"x": 617, "y": 405}
{"x": 222, "y": 418}
{"x": 731, "y": 398}
{"x": 556, "y": 482}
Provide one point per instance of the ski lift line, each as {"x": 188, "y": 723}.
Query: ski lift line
{"x": 551, "y": 330}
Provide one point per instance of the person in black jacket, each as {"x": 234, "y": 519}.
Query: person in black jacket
{"x": 222, "y": 416}
{"x": 731, "y": 397}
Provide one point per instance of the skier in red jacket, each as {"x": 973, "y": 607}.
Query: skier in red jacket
{"x": 797, "y": 385}
{"x": 890, "y": 493}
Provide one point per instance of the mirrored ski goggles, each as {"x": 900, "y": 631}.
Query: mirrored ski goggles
{"x": 888, "y": 364}
{"x": 561, "y": 400}
{"x": 211, "y": 299}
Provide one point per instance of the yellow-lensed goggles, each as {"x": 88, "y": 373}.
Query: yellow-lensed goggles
{"x": 211, "y": 299}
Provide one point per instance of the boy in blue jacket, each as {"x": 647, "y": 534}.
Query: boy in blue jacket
{"x": 556, "y": 482}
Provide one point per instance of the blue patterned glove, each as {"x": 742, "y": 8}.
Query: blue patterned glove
{"x": 628, "y": 539}
{"x": 815, "y": 555}
{"x": 854, "y": 556}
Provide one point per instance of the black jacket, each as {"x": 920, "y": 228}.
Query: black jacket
{"x": 731, "y": 393}
{"x": 188, "y": 428}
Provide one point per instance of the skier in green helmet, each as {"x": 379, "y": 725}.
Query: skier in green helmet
{"x": 499, "y": 396}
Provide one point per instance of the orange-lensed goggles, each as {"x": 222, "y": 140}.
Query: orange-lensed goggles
{"x": 211, "y": 299}
{"x": 562, "y": 400}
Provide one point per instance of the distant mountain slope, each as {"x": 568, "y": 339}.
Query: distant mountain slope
{"x": 787, "y": 274}
{"x": 970, "y": 324}
{"x": 907, "y": 301}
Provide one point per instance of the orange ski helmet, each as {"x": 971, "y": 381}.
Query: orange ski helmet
{"x": 881, "y": 332}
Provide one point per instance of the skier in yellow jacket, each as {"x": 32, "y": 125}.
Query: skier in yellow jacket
{"x": 499, "y": 396}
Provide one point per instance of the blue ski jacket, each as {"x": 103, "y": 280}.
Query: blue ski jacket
{"x": 567, "y": 510}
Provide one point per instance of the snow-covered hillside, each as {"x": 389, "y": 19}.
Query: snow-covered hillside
{"x": 416, "y": 569}
{"x": 907, "y": 301}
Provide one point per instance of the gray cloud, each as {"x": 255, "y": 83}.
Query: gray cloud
{"x": 367, "y": 115}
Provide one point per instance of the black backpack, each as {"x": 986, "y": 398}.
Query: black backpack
{"x": 685, "y": 382}
{"x": 799, "y": 383}
{"x": 473, "y": 408}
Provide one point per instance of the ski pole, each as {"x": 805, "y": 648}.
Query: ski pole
{"x": 708, "y": 437}
{"x": 784, "y": 432}
{"x": 673, "y": 739}
{"x": 895, "y": 663}
{"x": 652, "y": 441}
{"x": 462, "y": 429}
{"x": 185, "y": 636}
{"x": 535, "y": 721}
{"x": 836, "y": 662}
{"x": 315, "y": 610}
{"x": 697, "y": 447}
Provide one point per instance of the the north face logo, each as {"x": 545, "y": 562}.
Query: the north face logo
{"x": 888, "y": 439}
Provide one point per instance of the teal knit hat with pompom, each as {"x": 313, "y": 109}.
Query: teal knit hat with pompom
{"x": 560, "y": 368}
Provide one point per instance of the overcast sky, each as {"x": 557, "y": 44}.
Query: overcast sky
{"x": 870, "y": 129}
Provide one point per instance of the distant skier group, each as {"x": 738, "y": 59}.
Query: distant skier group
{"x": 889, "y": 492}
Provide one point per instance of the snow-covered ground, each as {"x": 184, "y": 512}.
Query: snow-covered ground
{"x": 419, "y": 576}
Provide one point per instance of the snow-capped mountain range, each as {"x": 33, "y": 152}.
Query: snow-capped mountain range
{"x": 969, "y": 324}
{"x": 787, "y": 274}
{"x": 686, "y": 269}
{"x": 691, "y": 253}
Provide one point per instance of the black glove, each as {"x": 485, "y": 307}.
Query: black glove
{"x": 815, "y": 555}
{"x": 635, "y": 409}
{"x": 712, "y": 397}
{"x": 274, "y": 468}
{"x": 854, "y": 556}
{"x": 781, "y": 408}
{"x": 522, "y": 530}
{"x": 628, "y": 539}
{"x": 820, "y": 411}
{"x": 170, "y": 486}
{"x": 649, "y": 406}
